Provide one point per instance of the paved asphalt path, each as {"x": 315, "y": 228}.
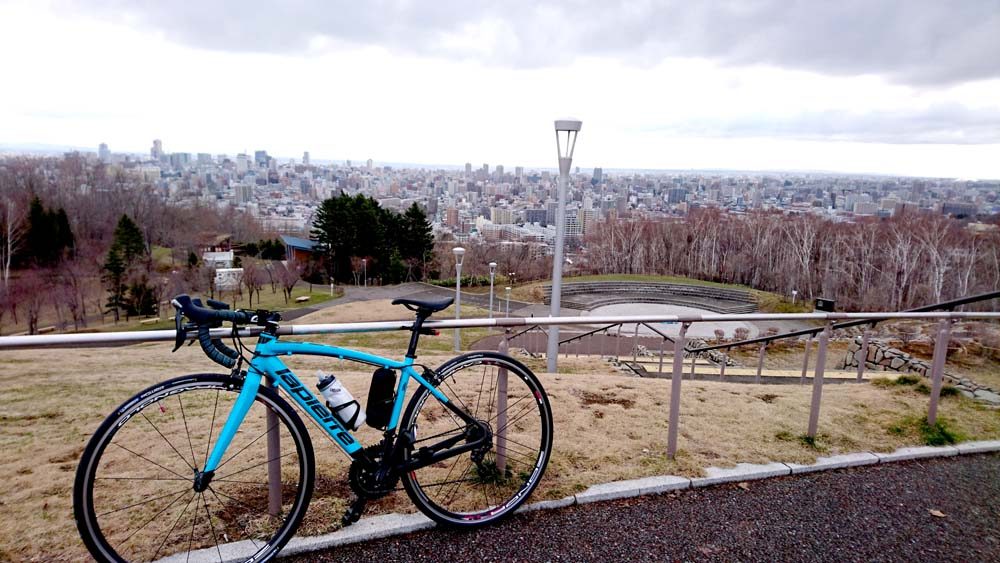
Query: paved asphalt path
{"x": 874, "y": 513}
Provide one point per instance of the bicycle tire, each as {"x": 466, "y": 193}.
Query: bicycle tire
{"x": 230, "y": 494}
{"x": 503, "y": 490}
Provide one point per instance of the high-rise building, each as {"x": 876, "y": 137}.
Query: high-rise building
{"x": 242, "y": 163}
{"x": 598, "y": 176}
{"x": 468, "y": 169}
{"x": 518, "y": 174}
{"x": 305, "y": 158}
{"x": 369, "y": 164}
{"x": 157, "y": 151}
{"x": 260, "y": 158}
{"x": 204, "y": 159}
{"x": 104, "y": 153}
{"x": 499, "y": 172}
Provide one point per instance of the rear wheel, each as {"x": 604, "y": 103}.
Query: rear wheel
{"x": 490, "y": 483}
{"x": 134, "y": 497}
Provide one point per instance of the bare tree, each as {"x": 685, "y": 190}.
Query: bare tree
{"x": 289, "y": 273}
{"x": 253, "y": 278}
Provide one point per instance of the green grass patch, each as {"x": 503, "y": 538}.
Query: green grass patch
{"x": 938, "y": 434}
{"x": 811, "y": 442}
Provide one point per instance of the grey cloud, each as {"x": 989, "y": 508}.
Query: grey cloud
{"x": 909, "y": 41}
{"x": 945, "y": 123}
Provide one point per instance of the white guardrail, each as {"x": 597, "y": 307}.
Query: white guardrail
{"x": 940, "y": 350}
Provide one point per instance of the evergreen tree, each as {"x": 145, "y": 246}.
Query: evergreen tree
{"x": 418, "y": 239}
{"x": 48, "y": 236}
{"x": 113, "y": 276}
{"x": 129, "y": 240}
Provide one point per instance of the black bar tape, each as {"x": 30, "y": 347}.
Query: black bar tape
{"x": 216, "y": 355}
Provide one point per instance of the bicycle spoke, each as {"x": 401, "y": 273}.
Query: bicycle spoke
{"x": 167, "y": 441}
{"x": 142, "y": 479}
{"x": 258, "y": 465}
{"x": 170, "y": 531}
{"x": 194, "y": 522}
{"x": 479, "y": 398}
{"x": 188, "y": 432}
{"x": 149, "y": 460}
{"x": 222, "y": 504}
{"x": 155, "y": 516}
{"x": 211, "y": 427}
{"x": 144, "y": 502}
{"x": 247, "y": 446}
{"x": 211, "y": 525}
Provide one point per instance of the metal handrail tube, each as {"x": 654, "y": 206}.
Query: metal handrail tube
{"x": 947, "y": 305}
{"x": 579, "y": 336}
{"x": 118, "y": 338}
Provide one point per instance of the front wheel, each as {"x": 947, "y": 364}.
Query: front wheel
{"x": 490, "y": 482}
{"x": 135, "y": 497}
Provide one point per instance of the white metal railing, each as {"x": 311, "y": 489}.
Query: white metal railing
{"x": 945, "y": 320}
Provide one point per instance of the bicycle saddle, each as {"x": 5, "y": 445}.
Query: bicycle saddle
{"x": 423, "y": 305}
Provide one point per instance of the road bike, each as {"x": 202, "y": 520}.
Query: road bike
{"x": 221, "y": 466}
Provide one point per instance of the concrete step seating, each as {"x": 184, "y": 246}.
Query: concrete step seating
{"x": 588, "y": 295}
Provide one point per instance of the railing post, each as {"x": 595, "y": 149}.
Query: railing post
{"x": 817, "y": 395}
{"x": 662, "y": 341}
{"x": 675, "y": 391}
{"x": 805, "y": 362}
{"x": 501, "y": 460}
{"x": 760, "y": 361}
{"x": 635, "y": 343}
{"x": 618, "y": 343}
{"x": 937, "y": 367}
{"x": 694, "y": 358}
{"x": 864, "y": 354}
{"x": 273, "y": 462}
{"x": 722, "y": 370}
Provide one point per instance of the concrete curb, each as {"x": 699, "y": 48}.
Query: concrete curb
{"x": 386, "y": 525}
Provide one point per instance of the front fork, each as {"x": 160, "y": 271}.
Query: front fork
{"x": 251, "y": 384}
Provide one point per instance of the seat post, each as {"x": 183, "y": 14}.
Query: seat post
{"x": 411, "y": 351}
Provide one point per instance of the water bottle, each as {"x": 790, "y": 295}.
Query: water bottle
{"x": 340, "y": 401}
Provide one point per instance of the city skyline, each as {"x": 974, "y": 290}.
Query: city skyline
{"x": 892, "y": 88}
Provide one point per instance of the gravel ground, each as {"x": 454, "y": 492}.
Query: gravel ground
{"x": 875, "y": 513}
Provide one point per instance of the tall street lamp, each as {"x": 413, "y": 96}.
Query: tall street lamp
{"x": 459, "y": 253}
{"x": 493, "y": 271}
{"x": 364, "y": 270}
{"x": 507, "y": 289}
{"x": 566, "y": 133}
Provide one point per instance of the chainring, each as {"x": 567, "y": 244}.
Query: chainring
{"x": 364, "y": 478}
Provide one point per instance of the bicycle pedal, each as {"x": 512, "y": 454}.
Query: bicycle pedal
{"x": 354, "y": 512}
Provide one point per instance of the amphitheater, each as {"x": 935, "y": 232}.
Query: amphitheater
{"x": 588, "y": 296}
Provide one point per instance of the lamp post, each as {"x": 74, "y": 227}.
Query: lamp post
{"x": 507, "y": 289}
{"x": 566, "y": 133}
{"x": 794, "y": 293}
{"x": 493, "y": 271}
{"x": 459, "y": 253}
{"x": 364, "y": 270}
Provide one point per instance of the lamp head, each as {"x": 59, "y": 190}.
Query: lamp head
{"x": 459, "y": 253}
{"x": 566, "y": 131}
{"x": 493, "y": 267}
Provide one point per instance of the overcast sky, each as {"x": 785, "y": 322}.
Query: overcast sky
{"x": 899, "y": 87}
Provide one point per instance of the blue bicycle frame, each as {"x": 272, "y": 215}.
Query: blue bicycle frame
{"x": 266, "y": 361}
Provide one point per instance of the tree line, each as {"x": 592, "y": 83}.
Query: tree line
{"x": 67, "y": 256}
{"x": 909, "y": 260}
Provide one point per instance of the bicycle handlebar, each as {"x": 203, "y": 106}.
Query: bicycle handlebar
{"x": 205, "y": 319}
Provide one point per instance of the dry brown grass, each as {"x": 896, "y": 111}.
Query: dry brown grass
{"x": 607, "y": 427}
